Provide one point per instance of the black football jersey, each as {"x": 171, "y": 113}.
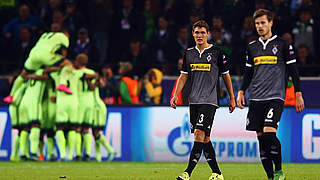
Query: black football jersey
{"x": 204, "y": 69}
{"x": 269, "y": 59}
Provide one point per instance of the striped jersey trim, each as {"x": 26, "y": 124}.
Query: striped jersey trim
{"x": 291, "y": 61}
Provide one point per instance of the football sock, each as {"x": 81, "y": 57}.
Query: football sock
{"x": 101, "y": 139}
{"x": 264, "y": 147}
{"x": 34, "y": 139}
{"x": 41, "y": 143}
{"x": 50, "y": 148}
{"x": 78, "y": 144}
{"x": 61, "y": 142}
{"x": 98, "y": 151}
{"x": 194, "y": 156}
{"x": 71, "y": 143}
{"x": 15, "y": 146}
{"x": 87, "y": 143}
{"x": 210, "y": 156}
{"x": 275, "y": 150}
{"x": 23, "y": 143}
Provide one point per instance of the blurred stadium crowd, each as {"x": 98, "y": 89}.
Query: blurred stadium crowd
{"x": 150, "y": 36}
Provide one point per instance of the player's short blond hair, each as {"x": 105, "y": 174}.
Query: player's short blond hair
{"x": 82, "y": 59}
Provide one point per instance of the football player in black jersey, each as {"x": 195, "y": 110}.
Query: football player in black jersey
{"x": 203, "y": 64}
{"x": 269, "y": 61}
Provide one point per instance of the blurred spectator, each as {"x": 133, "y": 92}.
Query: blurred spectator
{"x": 303, "y": 30}
{"x": 22, "y": 47}
{"x": 149, "y": 19}
{"x": 248, "y": 30}
{"x": 55, "y": 27}
{"x": 127, "y": 85}
{"x": 288, "y": 36}
{"x": 73, "y": 18}
{"x": 304, "y": 59}
{"x": 218, "y": 38}
{"x": 202, "y": 9}
{"x": 136, "y": 55}
{"x": 150, "y": 89}
{"x": 48, "y": 12}
{"x": 181, "y": 42}
{"x": 160, "y": 45}
{"x": 130, "y": 23}
{"x": 12, "y": 29}
{"x": 58, "y": 17}
{"x": 83, "y": 44}
{"x": 99, "y": 23}
{"x": 179, "y": 11}
{"x": 108, "y": 86}
{"x": 304, "y": 56}
{"x": 217, "y": 23}
{"x": 281, "y": 21}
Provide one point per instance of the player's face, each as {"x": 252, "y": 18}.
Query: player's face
{"x": 200, "y": 35}
{"x": 263, "y": 26}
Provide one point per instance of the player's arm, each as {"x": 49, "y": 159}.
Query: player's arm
{"x": 224, "y": 66}
{"x": 227, "y": 81}
{"x": 37, "y": 77}
{"x": 91, "y": 76}
{"x": 247, "y": 77}
{"x": 293, "y": 72}
{"x": 92, "y": 85}
{"x": 181, "y": 81}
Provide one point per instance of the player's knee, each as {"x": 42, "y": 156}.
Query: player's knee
{"x": 207, "y": 139}
{"x": 199, "y": 135}
{"x": 267, "y": 129}
{"x": 259, "y": 134}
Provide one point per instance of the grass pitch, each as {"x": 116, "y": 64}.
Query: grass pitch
{"x": 144, "y": 171}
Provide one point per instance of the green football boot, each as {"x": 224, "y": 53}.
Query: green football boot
{"x": 183, "y": 176}
{"x": 279, "y": 175}
{"x": 215, "y": 176}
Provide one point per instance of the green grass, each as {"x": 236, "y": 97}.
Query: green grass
{"x": 144, "y": 171}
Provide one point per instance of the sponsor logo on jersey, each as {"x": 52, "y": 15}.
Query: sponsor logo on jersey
{"x": 200, "y": 67}
{"x": 265, "y": 60}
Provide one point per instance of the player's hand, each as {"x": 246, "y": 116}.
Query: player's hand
{"x": 299, "y": 102}
{"x": 173, "y": 102}
{"x": 232, "y": 104}
{"x": 240, "y": 100}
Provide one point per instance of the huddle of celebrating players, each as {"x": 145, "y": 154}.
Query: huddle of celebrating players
{"x": 60, "y": 99}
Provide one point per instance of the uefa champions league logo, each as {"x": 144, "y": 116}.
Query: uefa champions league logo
{"x": 179, "y": 141}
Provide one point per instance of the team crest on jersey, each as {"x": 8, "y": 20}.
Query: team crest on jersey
{"x": 200, "y": 67}
{"x": 275, "y": 49}
{"x": 265, "y": 60}
{"x": 209, "y": 57}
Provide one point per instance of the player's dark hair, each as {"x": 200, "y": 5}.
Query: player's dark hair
{"x": 200, "y": 24}
{"x": 262, "y": 12}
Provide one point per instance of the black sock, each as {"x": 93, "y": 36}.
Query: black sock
{"x": 210, "y": 155}
{"x": 264, "y": 147}
{"x": 275, "y": 150}
{"x": 194, "y": 156}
